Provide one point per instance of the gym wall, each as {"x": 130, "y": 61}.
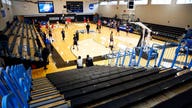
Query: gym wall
{"x": 28, "y": 8}
{"x": 170, "y": 15}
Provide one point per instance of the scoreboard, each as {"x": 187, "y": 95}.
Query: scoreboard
{"x": 74, "y": 6}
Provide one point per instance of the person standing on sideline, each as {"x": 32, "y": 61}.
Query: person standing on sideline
{"x": 87, "y": 27}
{"x": 89, "y": 61}
{"x": 45, "y": 54}
{"x": 79, "y": 62}
{"x": 63, "y": 34}
{"x": 48, "y": 43}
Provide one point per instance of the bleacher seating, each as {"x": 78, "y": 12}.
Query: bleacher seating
{"x": 34, "y": 35}
{"x": 10, "y": 100}
{"x": 147, "y": 92}
{"x": 18, "y": 90}
{"x": 183, "y": 100}
{"x": 12, "y": 28}
{"x": 20, "y": 49}
{"x": 98, "y": 86}
{"x": 22, "y": 45}
{"x": 169, "y": 32}
{"x": 107, "y": 87}
{"x": 15, "y": 37}
{"x": 28, "y": 44}
{"x": 162, "y": 32}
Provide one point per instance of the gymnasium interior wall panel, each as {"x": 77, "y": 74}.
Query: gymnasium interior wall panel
{"x": 29, "y": 8}
{"x": 171, "y": 15}
{"x": 108, "y": 10}
{"x": 177, "y": 15}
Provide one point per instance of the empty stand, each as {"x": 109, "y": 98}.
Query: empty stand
{"x": 44, "y": 94}
{"x": 115, "y": 90}
{"x": 14, "y": 38}
{"x": 18, "y": 87}
{"x": 97, "y": 86}
{"x": 103, "y": 86}
{"x": 169, "y": 32}
{"x": 23, "y": 47}
{"x": 147, "y": 92}
{"x": 183, "y": 100}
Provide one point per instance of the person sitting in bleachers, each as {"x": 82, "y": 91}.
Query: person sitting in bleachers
{"x": 89, "y": 61}
{"x": 188, "y": 34}
{"x": 79, "y": 63}
{"x": 186, "y": 43}
{"x": 4, "y": 44}
{"x": 187, "y": 27}
{"x": 189, "y": 43}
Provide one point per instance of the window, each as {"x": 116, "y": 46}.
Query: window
{"x": 137, "y": 2}
{"x": 103, "y": 3}
{"x": 8, "y": 2}
{"x": 160, "y": 1}
{"x": 4, "y": 1}
{"x": 122, "y": 3}
{"x": 141, "y": 2}
{"x": 184, "y": 1}
{"x": 113, "y": 3}
{"x": 109, "y": 3}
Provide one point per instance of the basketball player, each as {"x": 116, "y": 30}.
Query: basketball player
{"x": 75, "y": 42}
{"x": 87, "y": 27}
{"x": 111, "y": 41}
{"x": 118, "y": 29}
{"x": 63, "y": 34}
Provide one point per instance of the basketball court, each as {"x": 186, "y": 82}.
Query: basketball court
{"x": 95, "y": 44}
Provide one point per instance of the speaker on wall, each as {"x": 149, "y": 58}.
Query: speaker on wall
{"x": 131, "y": 4}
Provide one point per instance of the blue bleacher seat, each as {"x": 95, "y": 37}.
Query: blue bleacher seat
{"x": 15, "y": 85}
{"x": 10, "y": 101}
{"x": 190, "y": 64}
{"x": 3, "y": 89}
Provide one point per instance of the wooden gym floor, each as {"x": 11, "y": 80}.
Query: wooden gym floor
{"x": 64, "y": 47}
